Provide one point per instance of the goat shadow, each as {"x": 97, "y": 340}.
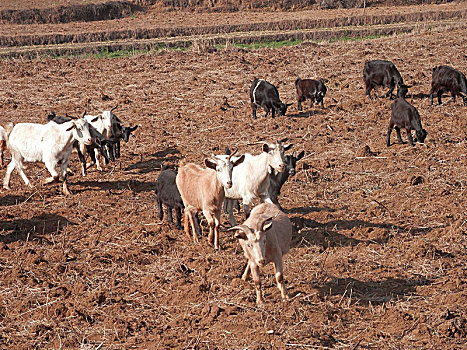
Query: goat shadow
{"x": 155, "y": 163}
{"x": 11, "y": 200}
{"x": 420, "y": 95}
{"x": 134, "y": 185}
{"x": 327, "y": 235}
{"x": 33, "y": 229}
{"x": 307, "y": 210}
{"x": 307, "y": 114}
{"x": 366, "y": 292}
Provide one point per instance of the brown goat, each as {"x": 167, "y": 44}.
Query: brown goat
{"x": 202, "y": 189}
{"x": 265, "y": 237}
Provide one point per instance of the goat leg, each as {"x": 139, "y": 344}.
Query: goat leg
{"x": 398, "y": 132}
{"x": 257, "y": 279}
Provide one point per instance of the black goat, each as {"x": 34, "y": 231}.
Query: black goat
{"x": 265, "y": 95}
{"x": 404, "y": 115}
{"x": 168, "y": 194}
{"x": 277, "y": 180}
{"x": 446, "y": 78}
{"x": 315, "y": 90}
{"x": 119, "y": 132}
{"x": 383, "y": 73}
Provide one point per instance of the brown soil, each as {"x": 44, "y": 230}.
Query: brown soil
{"x": 378, "y": 256}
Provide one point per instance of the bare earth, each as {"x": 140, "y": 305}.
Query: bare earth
{"x": 155, "y": 18}
{"x": 379, "y": 249}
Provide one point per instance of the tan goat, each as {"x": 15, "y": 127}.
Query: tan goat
{"x": 202, "y": 189}
{"x": 265, "y": 236}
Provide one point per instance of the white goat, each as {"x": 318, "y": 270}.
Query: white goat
{"x": 104, "y": 124}
{"x": 265, "y": 237}
{"x": 251, "y": 178}
{"x": 202, "y": 189}
{"x": 50, "y": 143}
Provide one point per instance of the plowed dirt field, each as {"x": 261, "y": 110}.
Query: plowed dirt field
{"x": 378, "y": 259}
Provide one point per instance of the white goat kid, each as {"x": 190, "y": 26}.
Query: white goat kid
{"x": 49, "y": 143}
{"x": 265, "y": 237}
{"x": 251, "y": 178}
{"x": 202, "y": 189}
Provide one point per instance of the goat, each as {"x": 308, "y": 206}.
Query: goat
{"x": 277, "y": 180}
{"x": 264, "y": 94}
{"x": 98, "y": 141}
{"x": 383, "y": 73}
{"x": 203, "y": 190}
{"x": 120, "y": 132}
{"x": 404, "y": 115}
{"x": 103, "y": 123}
{"x": 446, "y": 78}
{"x": 265, "y": 237}
{"x": 315, "y": 90}
{"x": 251, "y": 178}
{"x": 50, "y": 143}
{"x": 168, "y": 194}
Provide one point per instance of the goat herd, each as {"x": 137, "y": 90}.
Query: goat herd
{"x": 266, "y": 234}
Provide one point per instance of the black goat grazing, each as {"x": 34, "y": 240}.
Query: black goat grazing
{"x": 315, "y": 90}
{"x": 168, "y": 194}
{"x": 404, "y": 115}
{"x": 277, "y": 180}
{"x": 446, "y": 78}
{"x": 383, "y": 73}
{"x": 265, "y": 95}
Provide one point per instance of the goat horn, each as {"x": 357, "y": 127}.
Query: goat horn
{"x": 85, "y": 112}
{"x": 112, "y": 109}
{"x": 231, "y": 154}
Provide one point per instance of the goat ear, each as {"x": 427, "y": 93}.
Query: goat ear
{"x": 210, "y": 164}
{"x": 239, "y": 160}
{"x": 300, "y": 155}
{"x": 267, "y": 224}
{"x": 71, "y": 127}
{"x": 287, "y": 147}
{"x": 265, "y": 148}
{"x": 95, "y": 119}
{"x": 133, "y": 128}
{"x": 289, "y": 104}
{"x": 240, "y": 231}
{"x": 264, "y": 223}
